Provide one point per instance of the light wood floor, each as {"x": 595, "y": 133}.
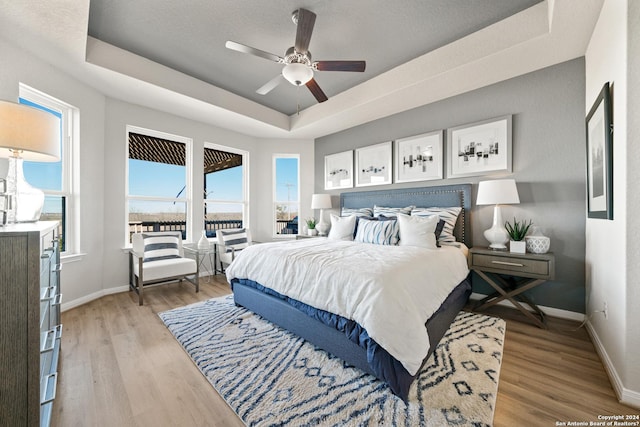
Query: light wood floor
{"x": 120, "y": 366}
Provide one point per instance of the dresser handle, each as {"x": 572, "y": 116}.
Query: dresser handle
{"x": 512, "y": 264}
{"x": 46, "y": 347}
{"x": 57, "y": 300}
{"x": 50, "y": 378}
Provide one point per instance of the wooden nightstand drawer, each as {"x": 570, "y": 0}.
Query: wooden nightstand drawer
{"x": 525, "y": 265}
{"x": 511, "y": 264}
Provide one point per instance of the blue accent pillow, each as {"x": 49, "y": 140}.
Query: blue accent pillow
{"x": 378, "y": 232}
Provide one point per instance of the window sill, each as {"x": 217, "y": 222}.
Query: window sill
{"x": 67, "y": 258}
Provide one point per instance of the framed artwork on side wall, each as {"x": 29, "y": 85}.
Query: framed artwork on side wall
{"x": 419, "y": 157}
{"x": 338, "y": 170}
{"x": 373, "y": 165}
{"x": 479, "y": 148}
{"x": 600, "y": 157}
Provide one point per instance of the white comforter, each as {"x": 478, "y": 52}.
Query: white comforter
{"x": 391, "y": 291}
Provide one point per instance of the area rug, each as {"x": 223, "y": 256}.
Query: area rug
{"x": 269, "y": 376}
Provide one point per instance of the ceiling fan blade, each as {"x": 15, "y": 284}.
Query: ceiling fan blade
{"x": 306, "y": 21}
{"x": 270, "y": 85}
{"x": 316, "y": 91}
{"x": 253, "y": 51}
{"x": 358, "y": 66}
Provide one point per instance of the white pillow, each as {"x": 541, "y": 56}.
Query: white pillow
{"x": 342, "y": 227}
{"x": 418, "y": 231}
{"x": 448, "y": 215}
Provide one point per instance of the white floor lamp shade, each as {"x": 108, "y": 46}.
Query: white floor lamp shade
{"x": 497, "y": 192}
{"x": 26, "y": 133}
{"x": 321, "y": 201}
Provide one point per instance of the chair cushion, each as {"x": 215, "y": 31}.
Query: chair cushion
{"x": 169, "y": 267}
{"x": 159, "y": 246}
{"x": 234, "y": 239}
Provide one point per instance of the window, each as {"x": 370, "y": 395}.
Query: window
{"x": 286, "y": 195}
{"x": 225, "y": 203}
{"x": 56, "y": 179}
{"x": 158, "y": 187}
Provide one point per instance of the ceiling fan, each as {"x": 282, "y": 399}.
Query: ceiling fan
{"x": 298, "y": 69}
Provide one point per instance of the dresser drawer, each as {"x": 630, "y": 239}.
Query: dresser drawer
{"x": 512, "y": 265}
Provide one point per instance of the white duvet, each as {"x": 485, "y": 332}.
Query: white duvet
{"x": 391, "y": 291}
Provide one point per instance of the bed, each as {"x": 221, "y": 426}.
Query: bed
{"x": 348, "y": 335}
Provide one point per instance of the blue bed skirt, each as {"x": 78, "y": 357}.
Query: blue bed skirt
{"x": 343, "y": 337}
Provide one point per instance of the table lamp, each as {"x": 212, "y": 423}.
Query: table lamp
{"x": 321, "y": 201}
{"x": 26, "y": 133}
{"x": 497, "y": 192}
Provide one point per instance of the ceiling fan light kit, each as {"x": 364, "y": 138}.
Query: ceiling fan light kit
{"x": 297, "y": 74}
{"x": 298, "y": 67}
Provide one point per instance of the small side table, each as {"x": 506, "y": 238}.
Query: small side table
{"x": 306, "y": 236}
{"x": 511, "y": 274}
{"x": 211, "y": 252}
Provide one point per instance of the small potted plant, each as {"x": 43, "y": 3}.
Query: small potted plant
{"x": 311, "y": 226}
{"x": 517, "y": 232}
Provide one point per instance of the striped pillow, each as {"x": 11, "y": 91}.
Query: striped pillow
{"x": 234, "y": 239}
{"x": 358, "y": 212}
{"x": 160, "y": 246}
{"x": 448, "y": 215}
{"x": 378, "y": 232}
{"x": 381, "y": 210}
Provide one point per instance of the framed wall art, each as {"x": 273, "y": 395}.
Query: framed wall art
{"x": 338, "y": 170}
{"x": 600, "y": 157}
{"x": 419, "y": 157}
{"x": 373, "y": 165}
{"x": 479, "y": 148}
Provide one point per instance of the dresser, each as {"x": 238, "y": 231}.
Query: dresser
{"x": 30, "y": 328}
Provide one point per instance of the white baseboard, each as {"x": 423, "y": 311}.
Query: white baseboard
{"x": 549, "y": 311}
{"x": 625, "y": 396}
{"x": 94, "y": 296}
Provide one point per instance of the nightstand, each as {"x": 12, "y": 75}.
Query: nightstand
{"x": 306, "y": 236}
{"x": 511, "y": 274}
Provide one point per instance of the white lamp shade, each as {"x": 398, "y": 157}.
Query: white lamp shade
{"x": 34, "y": 133}
{"x": 297, "y": 74}
{"x": 497, "y": 192}
{"x": 321, "y": 201}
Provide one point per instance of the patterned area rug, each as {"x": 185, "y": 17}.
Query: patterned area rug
{"x": 272, "y": 377}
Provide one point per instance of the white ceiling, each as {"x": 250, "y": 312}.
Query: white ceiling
{"x": 170, "y": 55}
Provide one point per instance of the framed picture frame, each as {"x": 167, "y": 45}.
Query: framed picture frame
{"x": 480, "y": 148}
{"x": 338, "y": 170}
{"x": 373, "y": 165}
{"x": 600, "y": 157}
{"x": 419, "y": 157}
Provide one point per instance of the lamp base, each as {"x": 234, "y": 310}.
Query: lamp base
{"x": 322, "y": 226}
{"x": 497, "y": 235}
{"x": 27, "y": 201}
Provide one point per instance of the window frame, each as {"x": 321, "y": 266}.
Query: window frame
{"x": 245, "y": 182}
{"x": 69, "y": 156}
{"x": 187, "y": 193}
{"x": 274, "y": 198}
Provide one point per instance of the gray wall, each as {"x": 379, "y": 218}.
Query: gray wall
{"x": 548, "y": 163}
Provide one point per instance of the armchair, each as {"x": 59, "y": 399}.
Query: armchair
{"x": 230, "y": 241}
{"x": 158, "y": 257}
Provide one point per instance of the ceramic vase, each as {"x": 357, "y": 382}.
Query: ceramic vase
{"x": 203, "y": 243}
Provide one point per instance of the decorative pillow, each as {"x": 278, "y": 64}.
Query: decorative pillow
{"x": 449, "y": 215}
{"x": 418, "y": 231}
{"x": 234, "y": 239}
{"x": 366, "y": 212}
{"x": 383, "y": 232}
{"x": 161, "y": 246}
{"x": 342, "y": 227}
{"x": 390, "y": 212}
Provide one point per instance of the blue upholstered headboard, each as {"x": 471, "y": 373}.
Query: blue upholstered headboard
{"x": 422, "y": 197}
